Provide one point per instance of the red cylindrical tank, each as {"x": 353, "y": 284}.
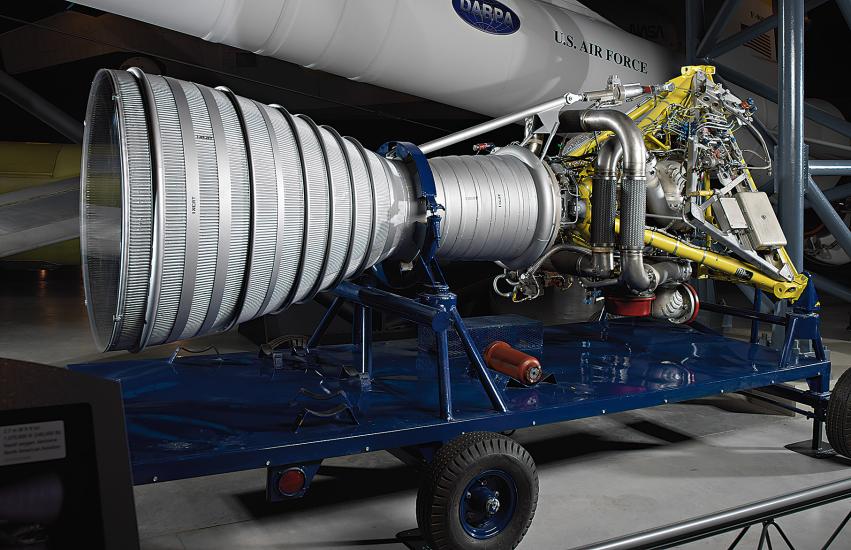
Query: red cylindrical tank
{"x": 501, "y": 357}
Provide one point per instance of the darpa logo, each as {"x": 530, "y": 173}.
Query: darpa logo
{"x": 488, "y": 15}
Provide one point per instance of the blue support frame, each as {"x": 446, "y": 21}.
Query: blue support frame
{"x": 441, "y": 302}
{"x": 245, "y": 418}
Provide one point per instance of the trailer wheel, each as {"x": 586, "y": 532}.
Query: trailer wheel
{"x": 479, "y": 493}
{"x": 839, "y": 415}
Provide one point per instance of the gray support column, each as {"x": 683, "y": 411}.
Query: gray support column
{"x": 791, "y": 157}
{"x": 830, "y": 167}
{"x": 694, "y": 26}
{"x": 829, "y": 217}
{"x": 833, "y": 194}
{"x": 717, "y": 25}
{"x": 743, "y": 37}
{"x": 839, "y": 192}
{"x": 40, "y": 108}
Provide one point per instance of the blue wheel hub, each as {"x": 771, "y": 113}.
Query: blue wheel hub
{"x": 487, "y": 504}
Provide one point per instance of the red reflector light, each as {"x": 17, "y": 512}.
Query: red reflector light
{"x": 291, "y": 482}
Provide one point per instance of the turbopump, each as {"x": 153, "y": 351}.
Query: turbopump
{"x": 202, "y": 209}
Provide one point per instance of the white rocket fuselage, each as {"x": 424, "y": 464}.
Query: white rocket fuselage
{"x": 482, "y": 55}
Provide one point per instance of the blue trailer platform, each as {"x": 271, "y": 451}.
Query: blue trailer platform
{"x": 200, "y": 415}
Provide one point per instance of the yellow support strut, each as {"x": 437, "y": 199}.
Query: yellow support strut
{"x": 727, "y": 268}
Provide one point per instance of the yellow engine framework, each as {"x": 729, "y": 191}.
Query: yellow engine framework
{"x": 710, "y": 264}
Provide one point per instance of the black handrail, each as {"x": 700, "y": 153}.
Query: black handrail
{"x": 747, "y": 314}
{"x": 764, "y": 511}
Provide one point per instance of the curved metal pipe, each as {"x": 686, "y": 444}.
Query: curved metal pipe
{"x": 634, "y": 274}
{"x": 667, "y": 272}
{"x": 633, "y": 202}
{"x": 608, "y": 157}
{"x": 624, "y": 128}
{"x": 573, "y": 263}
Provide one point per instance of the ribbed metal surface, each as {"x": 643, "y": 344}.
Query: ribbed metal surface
{"x": 383, "y": 206}
{"x": 239, "y": 209}
{"x": 603, "y": 219}
{"x": 363, "y": 204}
{"x": 342, "y": 214}
{"x": 292, "y": 208}
{"x": 208, "y": 209}
{"x": 316, "y": 231}
{"x": 633, "y": 205}
{"x": 264, "y": 205}
{"x": 492, "y": 207}
{"x": 174, "y": 200}
{"x": 116, "y": 212}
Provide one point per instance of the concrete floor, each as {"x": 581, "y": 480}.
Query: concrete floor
{"x": 599, "y": 478}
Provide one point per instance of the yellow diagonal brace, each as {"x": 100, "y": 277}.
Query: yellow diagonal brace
{"x": 730, "y": 268}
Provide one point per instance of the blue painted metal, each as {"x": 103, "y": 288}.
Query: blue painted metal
{"x": 444, "y": 382}
{"x": 803, "y": 323}
{"x": 423, "y": 176}
{"x": 757, "y": 307}
{"x": 442, "y": 299}
{"x": 325, "y": 323}
{"x": 478, "y": 362}
{"x": 411, "y": 310}
{"x": 435, "y": 310}
{"x": 487, "y": 504}
{"x": 207, "y": 414}
{"x": 808, "y": 301}
{"x": 519, "y": 332}
{"x": 427, "y": 190}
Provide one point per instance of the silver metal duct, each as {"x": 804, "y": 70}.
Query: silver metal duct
{"x": 503, "y": 206}
{"x": 633, "y": 196}
{"x": 202, "y": 209}
{"x": 604, "y": 210}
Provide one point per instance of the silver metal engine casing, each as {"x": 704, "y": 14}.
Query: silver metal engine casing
{"x": 202, "y": 209}
{"x": 504, "y": 206}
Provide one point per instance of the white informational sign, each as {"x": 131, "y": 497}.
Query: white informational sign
{"x": 35, "y": 442}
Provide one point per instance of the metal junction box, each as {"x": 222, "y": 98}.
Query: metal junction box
{"x": 763, "y": 228}
{"x": 729, "y": 214}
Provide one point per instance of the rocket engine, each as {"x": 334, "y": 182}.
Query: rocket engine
{"x": 202, "y": 209}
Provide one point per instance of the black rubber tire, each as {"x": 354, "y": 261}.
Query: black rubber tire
{"x": 454, "y": 466}
{"x": 839, "y": 416}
